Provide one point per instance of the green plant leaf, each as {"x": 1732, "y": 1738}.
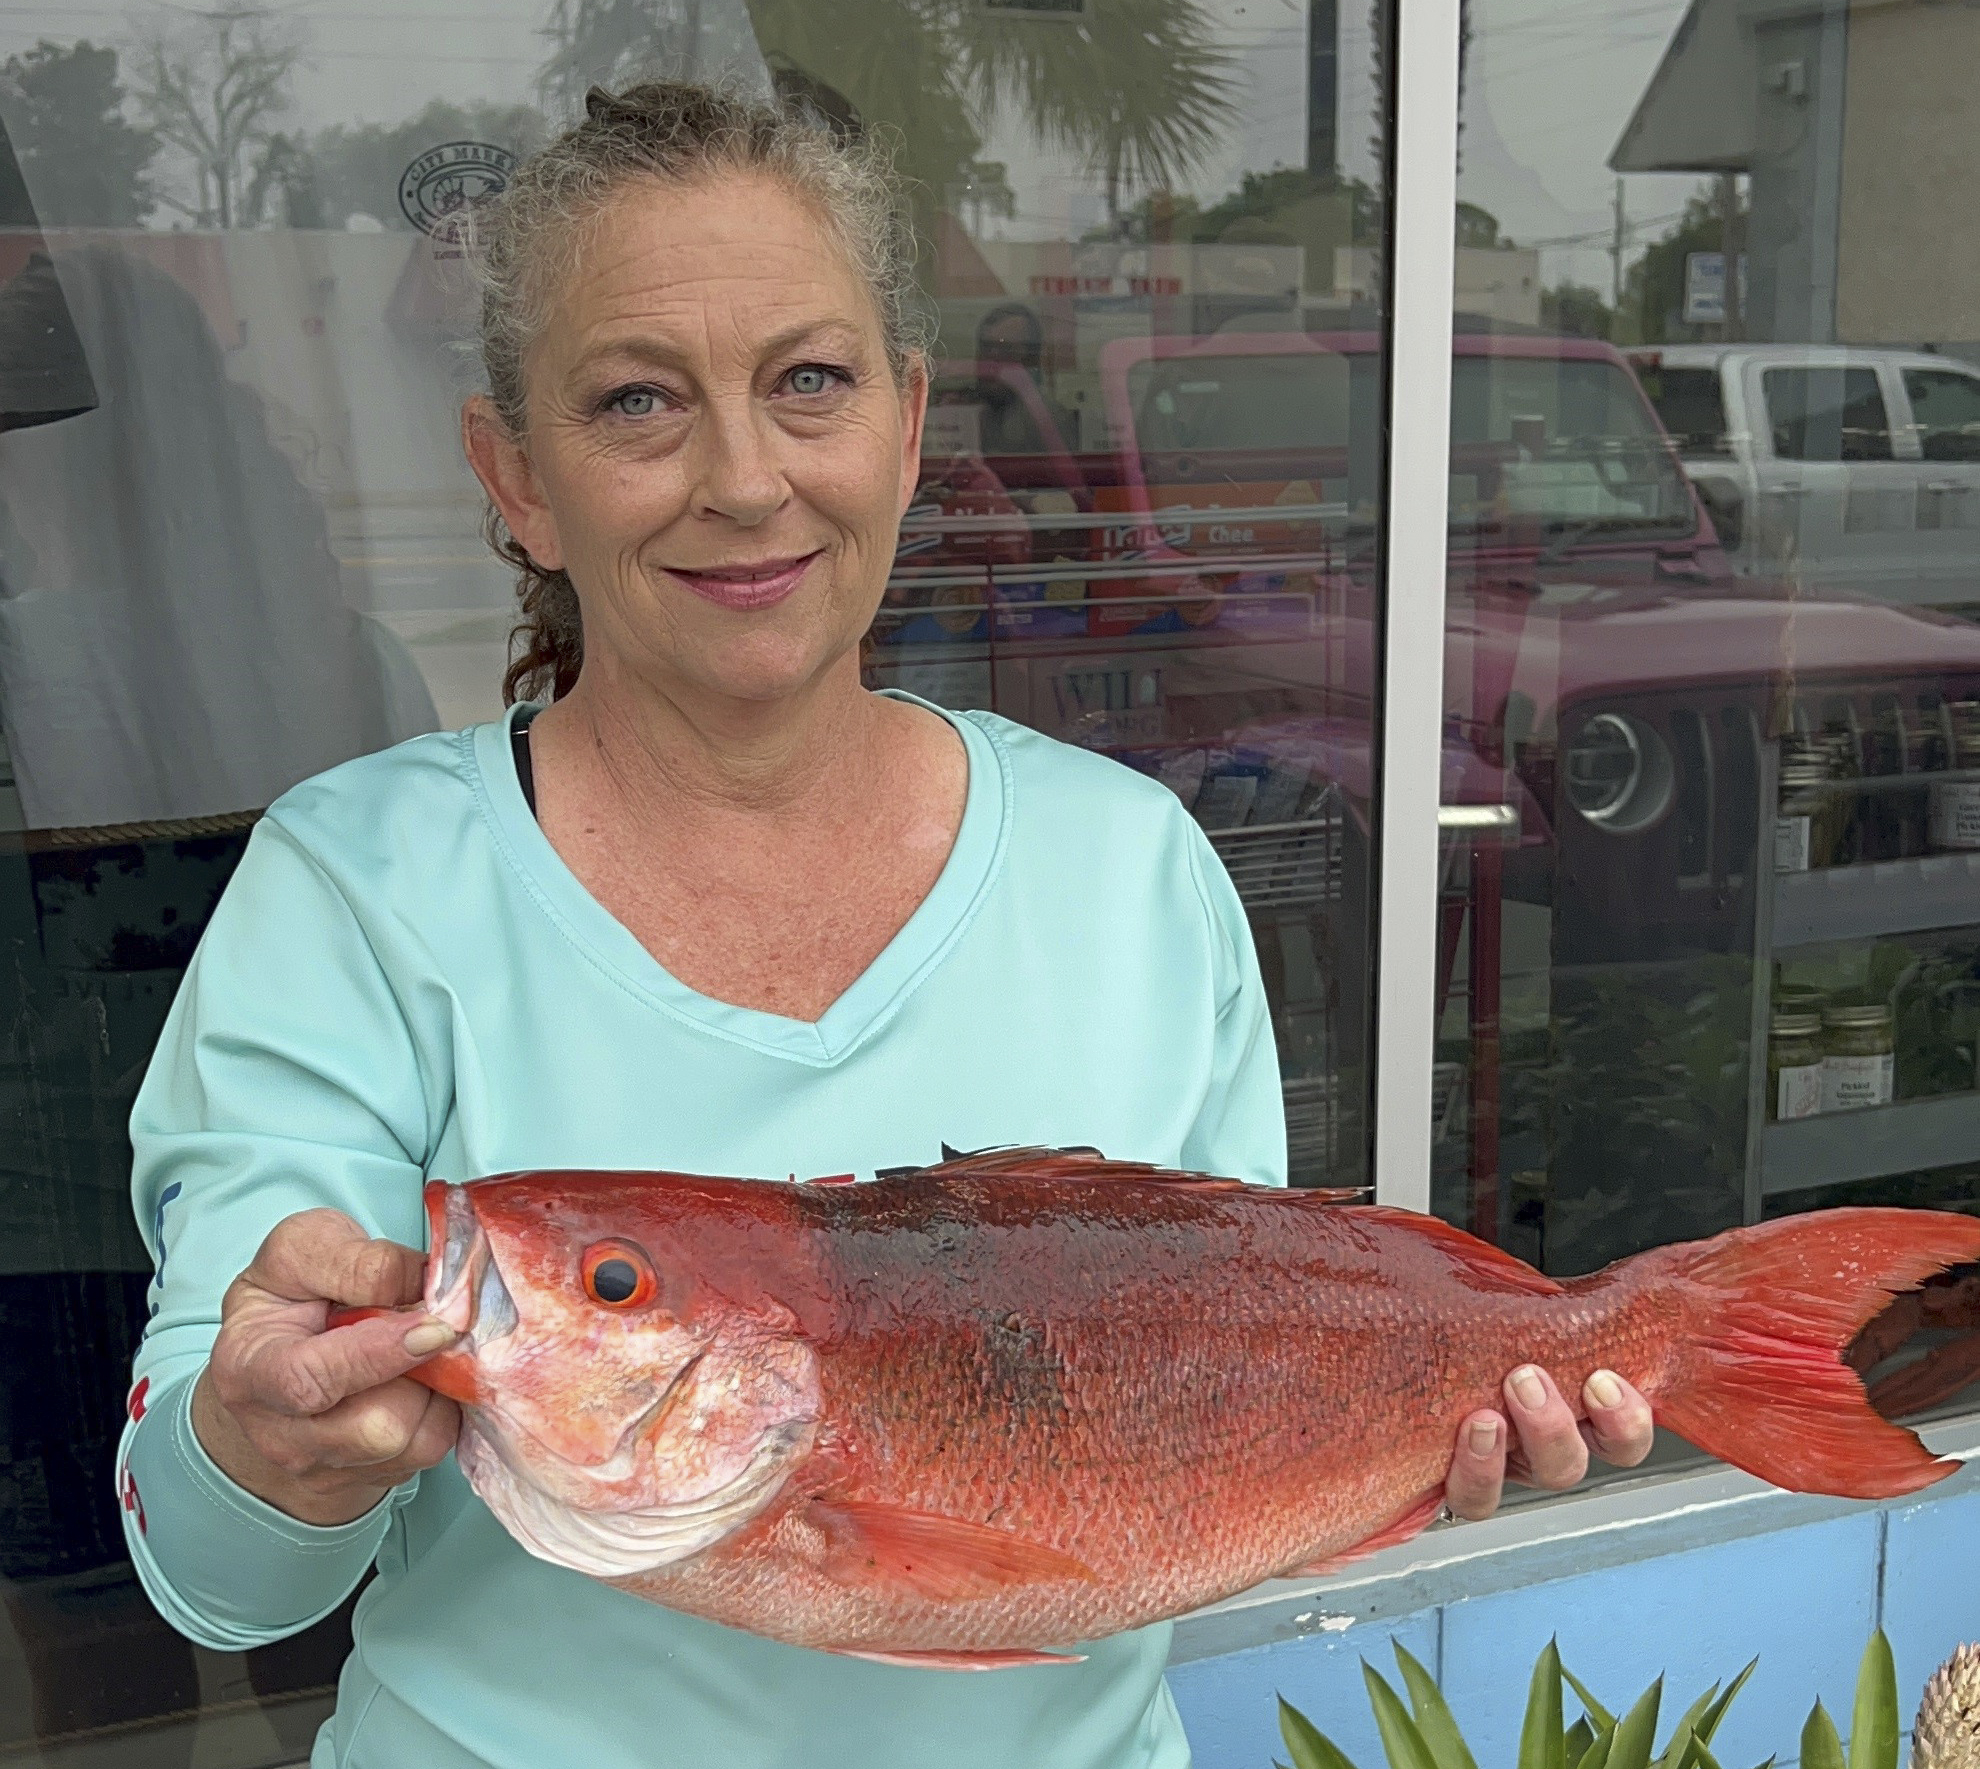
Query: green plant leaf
{"x": 1311, "y": 1748}
{"x": 1678, "y": 1751}
{"x": 1636, "y": 1731}
{"x": 1681, "y": 1750}
{"x": 1708, "y": 1726}
{"x": 1873, "y": 1726}
{"x": 1579, "y": 1737}
{"x": 1434, "y": 1718}
{"x": 1402, "y": 1739}
{"x": 1542, "y": 1743}
{"x": 1820, "y": 1747}
{"x": 1598, "y": 1752}
{"x": 1596, "y": 1711}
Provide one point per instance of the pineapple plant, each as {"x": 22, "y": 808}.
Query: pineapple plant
{"x": 1947, "y": 1735}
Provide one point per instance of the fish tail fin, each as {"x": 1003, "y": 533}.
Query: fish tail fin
{"x": 1761, "y": 1382}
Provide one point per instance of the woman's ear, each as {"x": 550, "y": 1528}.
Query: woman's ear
{"x": 914, "y": 412}
{"x": 505, "y": 472}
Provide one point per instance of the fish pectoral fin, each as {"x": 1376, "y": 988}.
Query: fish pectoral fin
{"x": 962, "y": 1661}
{"x": 1412, "y": 1522}
{"x": 931, "y": 1555}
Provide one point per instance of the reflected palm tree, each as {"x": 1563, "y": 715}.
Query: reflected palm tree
{"x": 1136, "y": 89}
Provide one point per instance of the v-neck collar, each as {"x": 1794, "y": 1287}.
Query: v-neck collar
{"x": 867, "y": 1003}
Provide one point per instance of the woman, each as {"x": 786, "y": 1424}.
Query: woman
{"x": 714, "y": 908}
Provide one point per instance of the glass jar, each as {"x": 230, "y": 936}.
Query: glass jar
{"x": 1794, "y": 1066}
{"x": 1955, "y": 804}
{"x": 1806, "y": 826}
{"x": 1859, "y": 1056}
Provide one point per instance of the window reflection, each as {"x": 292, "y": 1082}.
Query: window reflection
{"x": 248, "y": 548}
{"x": 1719, "y": 621}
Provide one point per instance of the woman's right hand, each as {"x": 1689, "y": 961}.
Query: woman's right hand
{"x": 322, "y": 1424}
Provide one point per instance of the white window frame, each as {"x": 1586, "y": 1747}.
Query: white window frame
{"x": 1422, "y": 177}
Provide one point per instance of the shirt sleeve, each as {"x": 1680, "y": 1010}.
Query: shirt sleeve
{"x": 286, "y": 1078}
{"x": 1240, "y": 1131}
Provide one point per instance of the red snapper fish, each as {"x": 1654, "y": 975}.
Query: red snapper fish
{"x": 966, "y": 1416}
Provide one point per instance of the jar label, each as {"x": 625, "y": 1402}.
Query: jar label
{"x": 1849, "y": 1082}
{"x": 1798, "y": 1092}
{"x": 1791, "y": 843}
{"x": 1956, "y": 815}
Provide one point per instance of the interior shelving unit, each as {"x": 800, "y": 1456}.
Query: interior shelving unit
{"x": 1878, "y": 900}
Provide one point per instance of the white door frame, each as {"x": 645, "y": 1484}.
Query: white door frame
{"x": 1422, "y": 179}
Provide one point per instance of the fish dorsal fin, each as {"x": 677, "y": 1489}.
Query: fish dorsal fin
{"x": 1043, "y": 1163}
{"x": 945, "y": 1558}
{"x": 1497, "y": 1267}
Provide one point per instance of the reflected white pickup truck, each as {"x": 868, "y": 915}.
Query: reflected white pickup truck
{"x": 1829, "y": 465}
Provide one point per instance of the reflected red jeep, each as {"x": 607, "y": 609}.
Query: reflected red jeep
{"x": 1199, "y": 599}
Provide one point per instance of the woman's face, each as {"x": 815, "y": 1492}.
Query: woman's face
{"x": 716, "y": 450}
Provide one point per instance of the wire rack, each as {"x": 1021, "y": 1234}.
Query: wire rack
{"x": 1284, "y": 865}
{"x": 1313, "y": 1126}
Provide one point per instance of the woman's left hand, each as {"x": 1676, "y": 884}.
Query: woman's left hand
{"x": 1537, "y": 1440}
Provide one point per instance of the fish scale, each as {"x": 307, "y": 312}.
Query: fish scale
{"x": 973, "y": 1415}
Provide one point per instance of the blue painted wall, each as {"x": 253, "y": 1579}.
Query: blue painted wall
{"x": 1803, "y": 1600}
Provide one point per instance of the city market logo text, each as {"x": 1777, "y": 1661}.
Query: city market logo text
{"x": 440, "y": 190}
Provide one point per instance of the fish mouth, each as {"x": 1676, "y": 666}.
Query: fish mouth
{"x": 464, "y": 1284}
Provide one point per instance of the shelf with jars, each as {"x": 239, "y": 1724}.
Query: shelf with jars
{"x": 1868, "y": 951}
{"x": 1873, "y": 1061}
{"x": 1907, "y": 1137}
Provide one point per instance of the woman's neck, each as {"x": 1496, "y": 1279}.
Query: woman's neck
{"x": 659, "y": 752}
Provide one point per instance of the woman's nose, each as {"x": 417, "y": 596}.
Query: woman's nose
{"x": 740, "y": 476}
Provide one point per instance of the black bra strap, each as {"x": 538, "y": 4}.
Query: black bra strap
{"x": 525, "y": 772}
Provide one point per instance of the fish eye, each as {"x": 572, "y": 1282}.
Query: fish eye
{"x": 618, "y": 1275}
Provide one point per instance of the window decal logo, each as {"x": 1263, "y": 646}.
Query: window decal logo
{"x": 439, "y": 191}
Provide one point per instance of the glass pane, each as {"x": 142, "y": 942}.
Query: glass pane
{"x": 1945, "y": 409}
{"x": 1712, "y": 631}
{"x": 1826, "y": 414}
{"x": 238, "y": 544}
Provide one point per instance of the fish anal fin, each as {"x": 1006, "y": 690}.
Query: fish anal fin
{"x": 1410, "y": 1524}
{"x": 945, "y": 1558}
{"x": 962, "y": 1661}
{"x": 1491, "y": 1264}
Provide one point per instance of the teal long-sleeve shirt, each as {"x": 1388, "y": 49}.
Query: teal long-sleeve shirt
{"x": 404, "y": 981}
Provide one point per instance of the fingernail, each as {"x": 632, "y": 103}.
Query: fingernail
{"x": 1484, "y": 1436}
{"x": 1528, "y": 1389}
{"x": 428, "y": 1337}
{"x": 1604, "y": 1390}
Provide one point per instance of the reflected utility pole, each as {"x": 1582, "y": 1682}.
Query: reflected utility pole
{"x": 1732, "y": 244}
{"x": 1323, "y": 88}
{"x": 1616, "y": 253}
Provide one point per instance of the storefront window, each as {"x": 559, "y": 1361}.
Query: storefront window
{"x": 238, "y": 545}
{"x": 1714, "y": 626}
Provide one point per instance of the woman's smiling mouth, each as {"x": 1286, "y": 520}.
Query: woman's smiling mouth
{"x": 746, "y": 587}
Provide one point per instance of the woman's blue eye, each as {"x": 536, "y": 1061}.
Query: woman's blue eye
{"x": 635, "y": 402}
{"x": 810, "y": 379}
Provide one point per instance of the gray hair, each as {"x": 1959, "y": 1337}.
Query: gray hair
{"x": 528, "y": 240}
